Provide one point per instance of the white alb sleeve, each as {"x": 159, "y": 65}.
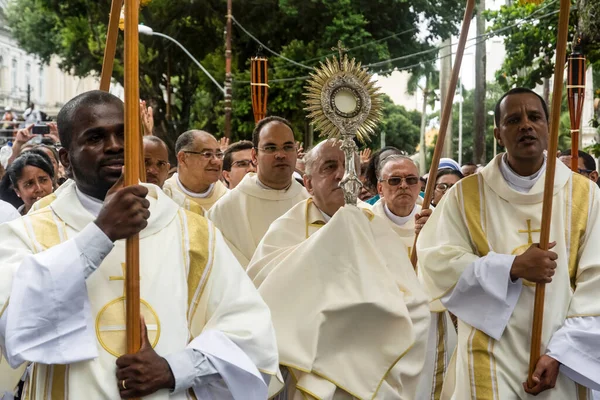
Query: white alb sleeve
{"x": 48, "y": 319}
{"x": 575, "y": 346}
{"x": 485, "y": 296}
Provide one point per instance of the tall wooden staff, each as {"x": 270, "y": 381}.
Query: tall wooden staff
{"x": 132, "y": 169}
{"x": 111, "y": 45}
{"x": 576, "y": 95}
{"x": 446, "y": 114}
{"x": 540, "y": 288}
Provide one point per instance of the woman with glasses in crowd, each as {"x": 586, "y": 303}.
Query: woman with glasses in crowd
{"x": 446, "y": 178}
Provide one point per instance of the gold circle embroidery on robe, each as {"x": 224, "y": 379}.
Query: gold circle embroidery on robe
{"x": 110, "y": 326}
{"x": 517, "y": 252}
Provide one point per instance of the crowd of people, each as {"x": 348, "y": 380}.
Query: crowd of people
{"x": 258, "y": 282}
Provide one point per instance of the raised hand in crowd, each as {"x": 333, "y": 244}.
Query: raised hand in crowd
{"x": 300, "y": 149}
{"x": 53, "y": 132}
{"x": 365, "y": 155}
{"x": 147, "y": 118}
{"x": 224, "y": 143}
{"x": 23, "y": 136}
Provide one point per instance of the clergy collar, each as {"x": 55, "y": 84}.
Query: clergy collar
{"x": 263, "y": 186}
{"x": 91, "y": 204}
{"x": 521, "y": 184}
{"x": 400, "y": 221}
{"x": 203, "y": 195}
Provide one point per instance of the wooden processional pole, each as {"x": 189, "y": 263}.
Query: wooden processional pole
{"x": 446, "y": 114}
{"x": 111, "y": 45}
{"x": 540, "y": 288}
{"x": 132, "y": 169}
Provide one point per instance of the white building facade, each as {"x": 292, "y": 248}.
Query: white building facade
{"x": 23, "y": 76}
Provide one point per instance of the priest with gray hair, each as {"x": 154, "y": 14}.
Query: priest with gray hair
{"x": 400, "y": 205}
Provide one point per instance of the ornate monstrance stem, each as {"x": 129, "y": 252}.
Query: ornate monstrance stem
{"x": 344, "y": 103}
{"x": 350, "y": 183}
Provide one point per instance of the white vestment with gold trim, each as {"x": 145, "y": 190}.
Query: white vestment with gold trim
{"x": 466, "y": 250}
{"x": 245, "y": 213}
{"x": 194, "y": 295}
{"x": 172, "y": 187}
{"x": 350, "y": 315}
{"x": 442, "y": 335}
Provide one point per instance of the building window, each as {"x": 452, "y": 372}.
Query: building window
{"x": 14, "y": 76}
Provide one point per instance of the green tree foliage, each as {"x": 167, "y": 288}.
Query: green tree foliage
{"x": 301, "y": 30}
{"x": 530, "y": 33}
{"x": 401, "y": 127}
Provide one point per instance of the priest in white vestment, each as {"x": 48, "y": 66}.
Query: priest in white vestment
{"x": 478, "y": 255}
{"x": 245, "y": 213}
{"x": 62, "y": 287}
{"x": 350, "y": 316}
{"x": 199, "y": 163}
{"x": 400, "y": 206}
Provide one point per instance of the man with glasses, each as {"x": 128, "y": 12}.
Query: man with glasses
{"x": 245, "y": 213}
{"x": 400, "y": 205}
{"x": 479, "y": 254}
{"x": 237, "y": 162}
{"x": 344, "y": 298}
{"x": 199, "y": 162}
{"x": 586, "y": 164}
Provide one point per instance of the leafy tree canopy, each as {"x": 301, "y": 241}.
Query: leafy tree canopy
{"x": 530, "y": 33}
{"x": 301, "y": 30}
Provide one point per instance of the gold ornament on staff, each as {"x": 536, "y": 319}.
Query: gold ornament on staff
{"x": 343, "y": 103}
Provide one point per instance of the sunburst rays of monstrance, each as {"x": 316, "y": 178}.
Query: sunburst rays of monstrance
{"x": 343, "y": 103}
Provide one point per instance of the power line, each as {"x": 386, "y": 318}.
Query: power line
{"x": 364, "y": 45}
{"x": 267, "y": 48}
{"x": 484, "y": 36}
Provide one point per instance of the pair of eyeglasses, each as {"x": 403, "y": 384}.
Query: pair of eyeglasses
{"x": 442, "y": 187}
{"x": 287, "y": 148}
{"x": 208, "y": 155}
{"x": 242, "y": 163}
{"x": 397, "y": 180}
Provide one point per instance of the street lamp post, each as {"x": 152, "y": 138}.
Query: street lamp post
{"x": 146, "y": 30}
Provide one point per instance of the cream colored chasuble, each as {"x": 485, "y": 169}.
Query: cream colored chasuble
{"x": 245, "y": 213}
{"x": 350, "y": 316}
{"x": 174, "y": 190}
{"x": 194, "y": 295}
{"x": 442, "y": 335}
{"x": 465, "y": 253}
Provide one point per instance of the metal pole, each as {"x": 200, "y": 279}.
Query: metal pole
{"x": 228, "y": 72}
